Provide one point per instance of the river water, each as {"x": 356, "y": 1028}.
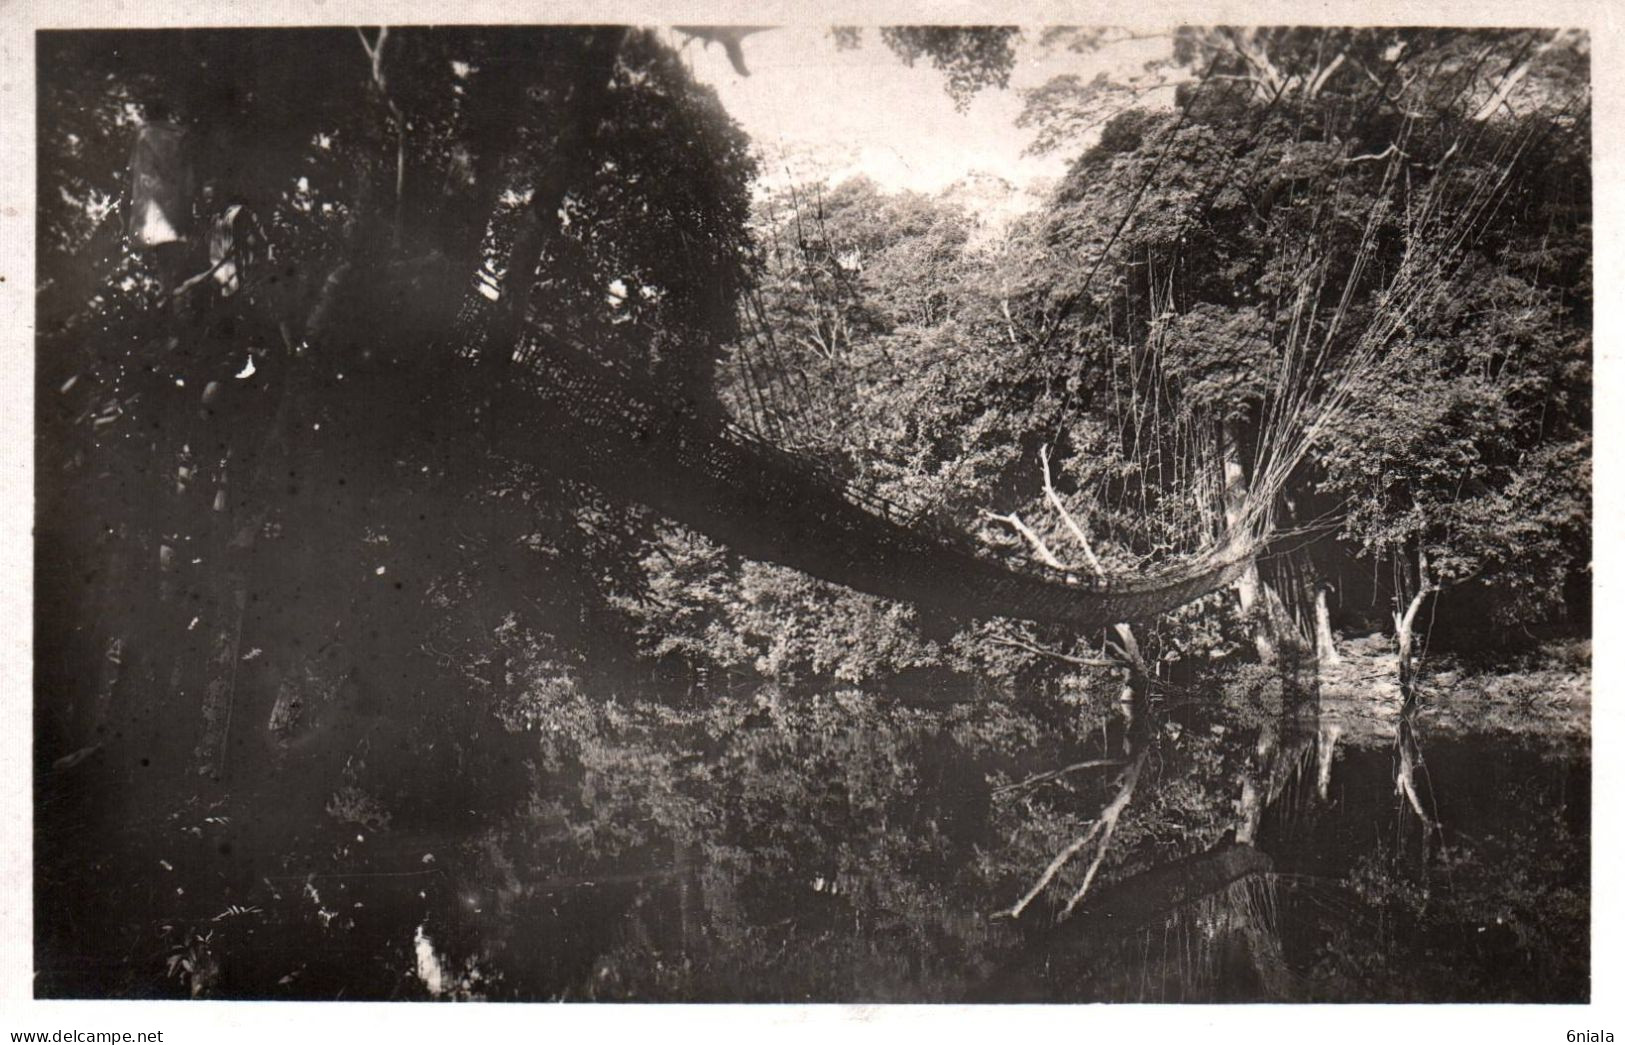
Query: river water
{"x": 764, "y": 845}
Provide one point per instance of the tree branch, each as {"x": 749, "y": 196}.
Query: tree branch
{"x": 1014, "y": 910}
{"x": 375, "y": 56}
{"x": 375, "y": 53}
{"x": 1129, "y": 650}
{"x": 1425, "y": 586}
{"x": 1039, "y": 547}
{"x": 1511, "y": 80}
{"x": 1086, "y": 662}
{"x": 1066, "y": 516}
{"x": 1101, "y": 828}
{"x": 1318, "y": 81}
{"x": 1383, "y": 155}
{"x": 1269, "y": 79}
{"x": 1108, "y": 819}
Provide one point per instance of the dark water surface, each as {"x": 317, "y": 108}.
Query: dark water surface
{"x": 842, "y": 847}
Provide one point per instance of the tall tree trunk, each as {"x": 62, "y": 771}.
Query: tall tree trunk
{"x": 1405, "y": 626}
{"x": 1325, "y": 757}
{"x": 566, "y": 168}
{"x": 1408, "y": 750}
{"x": 1249, "y": 585}
{"x": 1255, "y": 785}
{"x": 1285, "y": 746}
{"x": 1325, "y": 642}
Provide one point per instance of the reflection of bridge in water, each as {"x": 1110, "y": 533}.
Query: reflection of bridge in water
{"x": 1206, "y": 926}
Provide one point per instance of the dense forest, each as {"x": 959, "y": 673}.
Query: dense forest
{"x": 494, "y": 541}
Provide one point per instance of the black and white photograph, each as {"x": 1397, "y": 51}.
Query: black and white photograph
{"x": 873, "y": 514}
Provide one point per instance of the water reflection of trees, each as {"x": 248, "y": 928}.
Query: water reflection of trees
{"x": 1203, "y": 924}
{"x": 844, "y": 847}
{"x": 781, "y": 845}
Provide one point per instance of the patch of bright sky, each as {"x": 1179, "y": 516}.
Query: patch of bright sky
{"x": 816, "y": 111}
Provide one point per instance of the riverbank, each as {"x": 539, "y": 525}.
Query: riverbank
{"x": 1543, "y": 693}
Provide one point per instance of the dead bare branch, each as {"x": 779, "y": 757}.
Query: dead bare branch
{"x": 1039, "y": 547}
{"x": 1066, "y": 516}
{"x": 1502, "y": 95}
{"x": 1372, "y": 156}
{"x": 1318, "y": 80}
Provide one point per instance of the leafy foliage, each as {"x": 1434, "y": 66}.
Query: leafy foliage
{"x": 973, "y": 58}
